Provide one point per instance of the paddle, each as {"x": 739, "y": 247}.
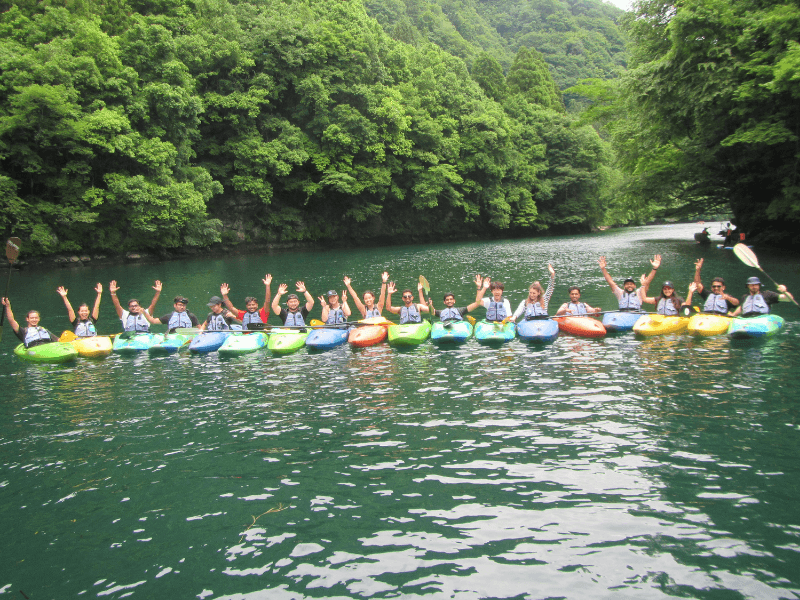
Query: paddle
{"x": 12, "y": 252}
{"x": 748, "y": 257}
{"x": 68, "y": 336}
{"x": 426, "y": 287}
{"x": 188, "y": 330}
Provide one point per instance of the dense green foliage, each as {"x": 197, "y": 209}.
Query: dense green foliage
{"x": 130, "y": 125}
{"x": 708, "y": 117}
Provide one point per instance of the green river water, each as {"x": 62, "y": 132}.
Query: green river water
{"x": 621, "y": 467}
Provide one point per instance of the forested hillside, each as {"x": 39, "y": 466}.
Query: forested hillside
{"x": 132, "y": 125}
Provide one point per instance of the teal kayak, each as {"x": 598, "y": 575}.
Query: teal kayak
{"x": 286, "y": 341}
{"x": 53, "y": 352}
{"x": 488, "y": 332}
{"x": 131, "y": 342}
{"x": 409, "y": 334}
{"x": 744, "y": 328}
{"x": 243, "y": 343}
{"x": 169, "y": 343}
{"x": 452, "y": 332}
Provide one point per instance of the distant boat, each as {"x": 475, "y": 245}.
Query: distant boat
{"x": 702, "y": 237}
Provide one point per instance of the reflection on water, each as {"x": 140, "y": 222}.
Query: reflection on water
{"x": 625, "y": 466}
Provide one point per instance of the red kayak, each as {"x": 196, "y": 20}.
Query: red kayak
{"x": 372, "y": 332}
{"x": 581, "y": 326}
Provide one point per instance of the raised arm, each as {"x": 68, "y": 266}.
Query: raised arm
{"x": 345, "y": 308}
{"x": 551, "y": 285}
{"x": 656, "y": 262}
{"x": 325, "y": 309}
{"x": 422, "y": 296}
{"x": 692, "y": 290}
{"x": 359, "y": 305}
{"x": 276, "y": 301}
{"x": 10, "y": 315}
{"x": 301, "y": 287}
{"x": 267, "y": 281}
{"x": 645, "y": 281}
{"x": 391, "y": 290}
{"x": 62, "y": 291}
{"x": 382, "y": 300}
{"x": 479, "y": 292}
{"x": 113, "y": 289}
{"x": 225, "y": 289}
{"x": 157, "y": 287}
{"x": 602, "y": 262}
{"x": 698, "y": 267}
{"x": 96, "y": 309}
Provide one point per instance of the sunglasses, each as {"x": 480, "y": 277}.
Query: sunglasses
{"x": 716, "y": 287}
{"x": 133, "y": 306}
{"x": 407, "y": 296}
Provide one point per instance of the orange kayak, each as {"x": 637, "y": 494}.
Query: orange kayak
{"x": 372, "y": 332}
{"x": 581, "y": 326}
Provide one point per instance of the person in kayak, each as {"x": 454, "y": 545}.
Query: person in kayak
{"x": 220, "y": 318}
{"x": 178, "y": 318}
{"x": 368, "y": 308}
{"x": 758, "y": 301}
{"x": 83, "y": 325}
{"x": 535, "y": 305}
{"x": 334, "y": 312}
{"x": 628, "y": 296}
{"x": 134, "y": 318}
{"x": 31, "y": 334}
{"x": 293, "y": 315}
{"x": 450, "y": 312}
{"x": 409, "y": 312}
{"x": 498, "y": 308}
{"x": 253, "y": 314}
{"x": 575, "y": 307}
{"x": 668, "y": 302}
{"x": 716, "y": 302}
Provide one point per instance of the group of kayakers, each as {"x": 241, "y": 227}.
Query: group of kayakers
{"x": 335, "y": 310}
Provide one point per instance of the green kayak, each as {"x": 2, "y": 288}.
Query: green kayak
{"x": 243, "y": 343}
{"x": 54, "y": 352}
{"x": 409, "y": 334}
{"x": 286, "y": 341}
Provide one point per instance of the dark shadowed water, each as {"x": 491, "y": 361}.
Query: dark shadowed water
{"x": 623, "y": 467}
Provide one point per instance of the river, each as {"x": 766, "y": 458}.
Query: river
{"x": 622, "y": 467}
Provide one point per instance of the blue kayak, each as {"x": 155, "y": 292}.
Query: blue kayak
{"x": 451, "y": 332}
{"x": 622, "y": 320}
{"x": 131, "y": 342}
{"x": 208, "y": 341}
{"x": 755, "y": 327}
{"x": 169, "y": 343}
{"x": 326, "y": 338}
{"x": 537, "y": 330}
{"x": 488, "y": 332}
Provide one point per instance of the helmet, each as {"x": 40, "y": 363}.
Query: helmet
{"x": 667, "y": 284}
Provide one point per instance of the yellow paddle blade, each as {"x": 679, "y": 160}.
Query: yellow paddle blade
{"x": 471, "y": 320}
{"x": 316, "y": 323}
{"x": 425, "y": 285}
{"x": 67, "y": 336}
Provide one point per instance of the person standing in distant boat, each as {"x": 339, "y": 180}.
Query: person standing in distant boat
{"x": 83, "y": 325}
{"x": 450, "y": 312}
{"x": 368, "y": 308}
{"x": 628, "y": 296}
{"x": 716, "y": 302}
{"x": 220, "y": 318}
{"x": 498, "y": 308}
{"x": 31, "y": 334}
{"x": 535, "y": 305}
{"x": 253, "y": 314}
{"x": 334, "y": 312}
{"x": 575, "y": 307}
{"x": 135, "y": 318}
{"x": 409, "y": 312}
{"x": 293, "y": 315}
{"x": 758, "y": 301}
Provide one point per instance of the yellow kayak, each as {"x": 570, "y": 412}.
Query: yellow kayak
{"x": 653, "y": 324}
{"x": 703, "y": 324}
{"x": 96, "y": 346}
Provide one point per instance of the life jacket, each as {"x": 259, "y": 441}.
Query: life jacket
{"x": 410, "y": 314}
{"x": 667, "y": 307}
{"x": 136, "y": 323}
{"x": 630, "y": 301}
{"x": 715, "y": 304}
{"x": 577, "y": 309}
{"x": 85, "y": 329}
{"x": 450, "y": 314}
{"x": 335, "y": 316}
{"x": 370, "y": 313}
{"x": 179, "y": 319}
{"x": 755, "y": 305}
{"x": 251, "y": 317}
{"x": 35, "y": 336}
{"x": 294, "y": 319}
{"x": 534, "y": 310}
{"x": 496, "y": 311}
{"x": 217, "y": 323}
